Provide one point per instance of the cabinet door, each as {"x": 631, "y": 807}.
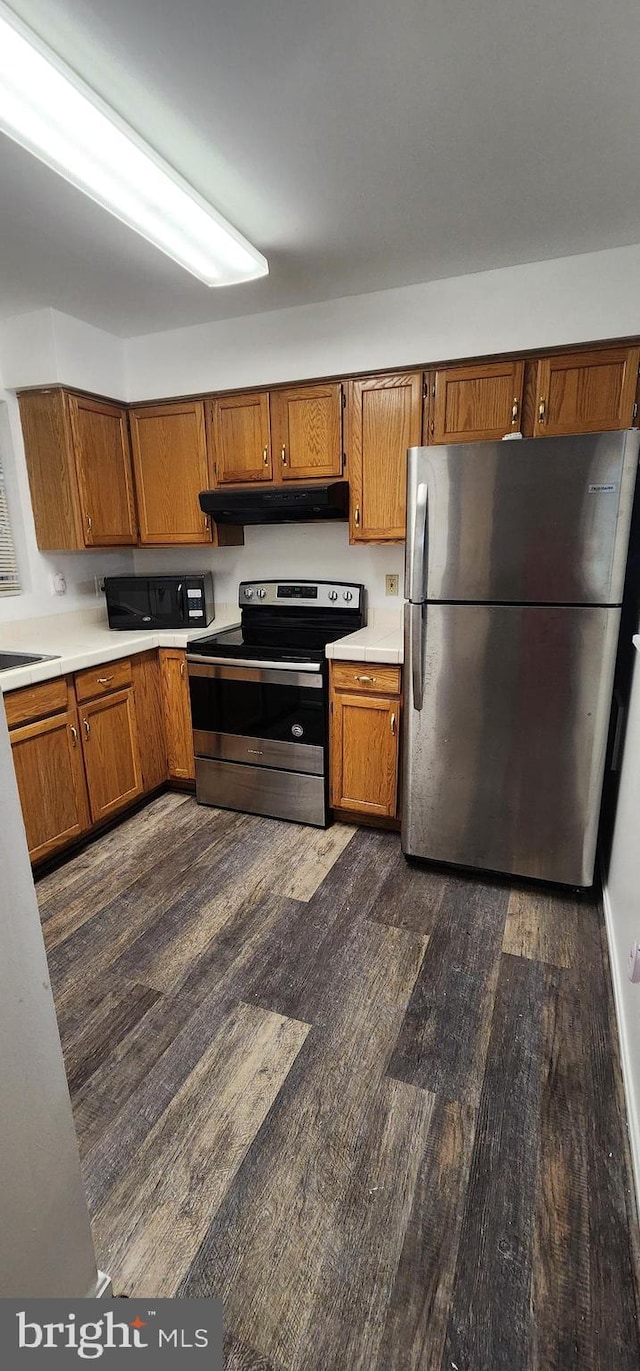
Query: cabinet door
{"x": 306, "y": 432}
{"x": 585, "y": 392}
{"x": 177, "y": 714}
{"x": 147, "y": 694}
{"x": 103, "y": 466}
{"x": 364, "y": 753}
{"x": 475, "y": 403}
{"x": 384, "y": 418}
{"x": 111, "y": 752}
{"x": 170, "y": 461}
{"x": 239, "y": 442}
{"x": 51, "y": 469}
{"x": 47, "y": 757}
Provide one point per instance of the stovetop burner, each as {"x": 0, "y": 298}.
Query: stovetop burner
{"x": 287, "y": 621}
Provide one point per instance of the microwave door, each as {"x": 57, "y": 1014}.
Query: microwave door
{"x": 130, "y": 605}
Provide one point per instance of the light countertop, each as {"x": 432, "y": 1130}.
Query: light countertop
{"x": 84, "y": 639}
{"x": 381, "y": 641}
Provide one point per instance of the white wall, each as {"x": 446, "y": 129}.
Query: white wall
{"x": 307, "y": 550}
{"x": 538, "y": 305}
{"x": 622, "y": 910}
{"x": 45, "y": 1239}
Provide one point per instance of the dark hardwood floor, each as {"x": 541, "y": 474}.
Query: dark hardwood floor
{"x": 375, "y": 1107}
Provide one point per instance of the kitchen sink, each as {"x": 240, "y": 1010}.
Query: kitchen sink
{"x": 11, "y": 659}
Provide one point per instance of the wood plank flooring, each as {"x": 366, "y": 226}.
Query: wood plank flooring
{"x": 374, "y": 1106}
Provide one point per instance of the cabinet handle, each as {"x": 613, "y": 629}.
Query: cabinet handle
{"x": 356, "y": 516}
{"x": 283, "y": 455}
{"x": 370, "y": 680}
{"x": 86, "y": 727}
{"x": 514, "y": 410}
{"x": 541, "y": 410}
{"x": 104, "y": 680}
{"x": 393, "y": 724}
{"x": 89, "y": 523}
{"x": 265, "y": 456}
{"x": 74, "y": 734}
{"x": 182, "y": 668}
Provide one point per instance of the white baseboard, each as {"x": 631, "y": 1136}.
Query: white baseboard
{"x": 104, "y": 1288}
{"x": 633, "y": 1104}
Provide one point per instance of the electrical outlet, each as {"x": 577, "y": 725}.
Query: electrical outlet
{"x": 391, "y": 585}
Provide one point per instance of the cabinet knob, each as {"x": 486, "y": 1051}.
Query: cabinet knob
{"x": 541, "y": 410}
{"x": 283, "y": 455}
{"x": 393, "y": 724}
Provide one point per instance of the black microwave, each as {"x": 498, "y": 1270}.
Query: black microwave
{"x": 160, "y": 601}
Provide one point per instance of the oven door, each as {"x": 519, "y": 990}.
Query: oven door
{"x": 261, "y": 716}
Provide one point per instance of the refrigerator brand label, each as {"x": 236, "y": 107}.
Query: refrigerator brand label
{"x": 603, "y": 488}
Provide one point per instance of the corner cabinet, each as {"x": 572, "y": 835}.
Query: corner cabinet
{"x": 364, "y": 738}
{"x": 177, "y": 713}
{"x": 383, "y": 419}
{"x": 585, "y": 392}
{"x": 79, "y": 469}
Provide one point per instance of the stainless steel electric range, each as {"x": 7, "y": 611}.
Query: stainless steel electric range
{"x": 259, "y": 698}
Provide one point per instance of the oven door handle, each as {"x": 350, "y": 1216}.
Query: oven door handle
{"x": 200, "y": 667}
{"x": 311, "y": 667}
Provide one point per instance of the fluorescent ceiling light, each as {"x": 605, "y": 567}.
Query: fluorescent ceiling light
{"x": 50, "y": 111}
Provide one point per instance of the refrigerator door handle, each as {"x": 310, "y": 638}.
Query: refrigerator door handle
{"x": 416, "y": 632}
{"x": 420, "y": 544}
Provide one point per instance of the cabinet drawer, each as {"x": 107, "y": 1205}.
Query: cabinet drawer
{"x": 365, "y": 676}
{"x": 99, "y": 680}
{"x": 36, "y": 702}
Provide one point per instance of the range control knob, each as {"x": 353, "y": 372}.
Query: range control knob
{"x": 333, "y": 595}
{"x": 248, "y": 594}
{"x": 261, "y": 593}
{"x": 347, "y": 595}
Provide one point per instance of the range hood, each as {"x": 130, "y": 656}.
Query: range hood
{"x": 292, "y": 504}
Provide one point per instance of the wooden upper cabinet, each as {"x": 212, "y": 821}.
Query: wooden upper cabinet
{"x": 171, "y": 468}
{"x": 79, "y": 468}
{"x": 103, "y": 464}
{"x": 306, "y": 432}
{"x": 585, "y": 392}
{"x": 239, "y": 438}
{"x": 111, "y": 752}
{"x": 177, "y": 713}
{"x": 476, "y": 403}
{"x": 47, "y": 757}
{"x": 383, "y": 419}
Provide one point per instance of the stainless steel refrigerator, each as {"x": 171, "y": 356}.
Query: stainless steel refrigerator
{"x": 515, "y": 563}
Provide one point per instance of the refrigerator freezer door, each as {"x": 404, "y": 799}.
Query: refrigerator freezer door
{"x": 503, "y": 764}
{"x": 539, "y": 521}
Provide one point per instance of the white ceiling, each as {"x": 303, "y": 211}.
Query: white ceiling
{"x": 360, "y": 144}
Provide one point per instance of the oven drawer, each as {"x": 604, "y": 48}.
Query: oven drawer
{"x": 262, "y": 790}
{"x": 235, "y": 747}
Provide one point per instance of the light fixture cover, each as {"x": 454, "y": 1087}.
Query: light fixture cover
{"x": 50, "y": 111}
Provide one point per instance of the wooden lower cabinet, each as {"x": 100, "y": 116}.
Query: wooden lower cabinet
{"x": 111, "y": 752}
{"x": 147, "y": 694}
{"x": 177, "y": 714}
{"x": 364, "y": 749}
{"x": 47, "y": 757}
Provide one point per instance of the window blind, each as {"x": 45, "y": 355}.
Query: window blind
{"x": 9, "y": 579}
